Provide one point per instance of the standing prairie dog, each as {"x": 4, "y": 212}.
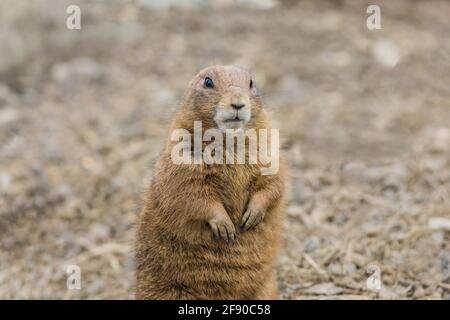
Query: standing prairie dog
{"x": 211, "y": 231}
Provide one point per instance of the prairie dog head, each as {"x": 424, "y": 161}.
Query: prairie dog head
{"x": 223, "y": 97}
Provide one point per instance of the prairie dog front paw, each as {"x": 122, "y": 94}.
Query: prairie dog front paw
{"x": 251, "y": 218}
{"x": 221, "y": 224}
{"x": 223, "y": 229}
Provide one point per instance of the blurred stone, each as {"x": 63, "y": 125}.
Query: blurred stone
{"x": 64, "y": 191}
{"x": 8, "y": 243}
{"x": 100, "y": 231}
{"x": 298, "y": 191}
{"x": 338, "y": 59}
{"x": 295, "y": 286}
{"x": 163, "y": 97}
{"x": 341, "y": 218}
{"x": 30, "y": 97}
{"x": 80, "y": 69}
{"x": 444, "y": 263}
{"x": 8, "y": 116}
{"x": 312, "y": 243}
{"x": 290, "y": 87}
{"x": 349, "y": 268}
{"x": 419, "y": 293}
{"x": 335, "y": 268}
{"x": 296, "y": 154}
{"x": 331, "y": 20}
{"x": 7, "y": 96}
{"x": 294, "y": 210}
{"x": 435, "y": 139}
{"x": 388, "y": 173}
{"x": 385, "y": 53}
{"x": 257, "y": 4}
{"x": 327, "y": 288}
{"x": 5, "y": 182}
{"x": 168, "y": 4}
{"x": 359, "y": 260}
{"x": 200, "y": 4}
{"x": 438, "y": 237}
{"x": 439, "y": 223}
{"x": 434, "y": 163}
{"x": 353, "y": 171}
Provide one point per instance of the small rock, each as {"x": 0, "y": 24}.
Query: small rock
{"x": 359, "y": 260}
{"x": 258, "y": 4}
{"x": 5, "y": 182}
{"x": 163, "y": 96}
{"x": 201, "y": 4}
{"x": 7, "y": 96}
{"x": 312, "y": 243}
{"x": 419, "y": 293}
{"x": 8, "y": 243}
{"x": 327, "y": 288}
{"x": 439, "y": 223}
{"x": 81, "y": 69}
{"x": 295, "y": 286}
{"x": 353, "y": 171}
{"x": 436, "y": 139}
{"x": 294, "y": 210}
{"x": 100, "y": 231}
{"x": 291, "y": 88}
{"x": 444, "y": 263}
{"x": 8, "y": 115}
{"x": 390, "y": 173}
{"x": 298, "y": 191}
{"x": 168, "y": 4}
{"x": 438, "y": 237}
{"x": 349, "y": 268}
{"x": 434, "y": 163}
{"x": 335, "y": 268}
{"x": 64, "y": 190}
{"x": 251, "y": 4}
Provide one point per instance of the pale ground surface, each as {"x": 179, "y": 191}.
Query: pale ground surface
{"x": 364, "y": 116}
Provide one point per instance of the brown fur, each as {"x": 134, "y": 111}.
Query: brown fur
{"x": 177, "y": 255}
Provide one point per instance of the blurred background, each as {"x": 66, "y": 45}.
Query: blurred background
{"x": 364, "y": 118}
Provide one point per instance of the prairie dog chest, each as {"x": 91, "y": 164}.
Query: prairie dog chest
{"x": 234, "y": 185}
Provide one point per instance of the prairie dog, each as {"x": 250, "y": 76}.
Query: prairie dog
{"x": 211, "y": 231}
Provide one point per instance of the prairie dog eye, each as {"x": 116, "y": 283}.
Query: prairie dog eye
{"x": 251, "y": 83}
{"x": 208, "y": 83}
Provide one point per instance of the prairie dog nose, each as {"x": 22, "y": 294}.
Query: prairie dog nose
{"x": 238, "y": 105}
{"x": 238, "y": 98}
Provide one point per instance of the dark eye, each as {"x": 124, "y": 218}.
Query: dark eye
{"x": 209, "y": 83}
{"x": 251, "y": 83}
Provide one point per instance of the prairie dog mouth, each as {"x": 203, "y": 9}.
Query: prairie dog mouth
{"x": 231, "y": 119}
{"x": 236, "y": 119}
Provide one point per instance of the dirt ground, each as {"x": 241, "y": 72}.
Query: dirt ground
{"x": 364, "y": 118}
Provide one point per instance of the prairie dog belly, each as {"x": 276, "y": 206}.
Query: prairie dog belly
{"x": 207, "y": 271}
